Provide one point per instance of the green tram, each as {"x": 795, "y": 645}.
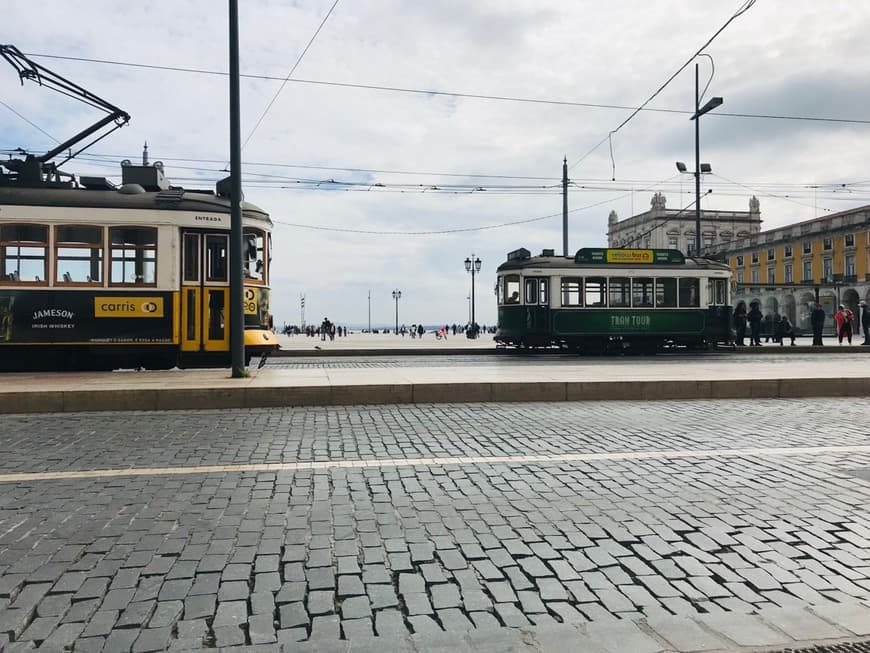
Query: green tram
{"x": 604, "y": 300}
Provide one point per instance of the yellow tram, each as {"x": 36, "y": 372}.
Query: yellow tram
{"x": 98, "y": 276}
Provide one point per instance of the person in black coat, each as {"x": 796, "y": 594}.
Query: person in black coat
{"x": 817, "y": 319}
{"x": 755, "y": 318}
{"x": 864, "y": 320}
{"x": 740, "y": 323}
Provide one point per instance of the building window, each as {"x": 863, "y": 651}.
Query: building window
{"x": 79, "y": 255}
{"x": 672, "y": 243}
{"x": 727, "y": 260}
{"x": 808, "y": 271}
{"x": 771, "y": 276}
{"x": 808, "y": 247}
{"x": 771, "y": 254}
{"x": 828, "y": 270}
{"x": 788, "y": 251}
{"x": 755, "y": 257}
{"x": 755, "y": 275}
{"x": 827, "y": 243}
{"x": 23, "y": 253}
{"x": 739, "y": 261}
{"x": 740, "y": 276}
{"x": 134, "y": 255}
{"x": 690, "y": 248}
{"x": 850, "y": 240}
{"x": 789, "y": 275}
{"x": 849, "y": 268}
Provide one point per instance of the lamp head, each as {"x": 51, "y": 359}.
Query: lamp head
{"x": 681, "y": 167}
{"x": 477, "y": 263}
{"x": 468, "y": 265}
{"x": 705, "y": 167}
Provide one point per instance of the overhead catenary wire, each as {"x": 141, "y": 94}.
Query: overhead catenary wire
{"x": 290, "y": 74}
{"x": 457, "y": 94}
{"x": 742, "y": 10}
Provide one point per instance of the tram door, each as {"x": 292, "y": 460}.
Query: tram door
{"x": 205, "y": 291}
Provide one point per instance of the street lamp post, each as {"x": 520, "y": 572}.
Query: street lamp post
{"x": 700, "y": 111}
{"x": 472, "y": 265}
{"x": 397, "y": 295}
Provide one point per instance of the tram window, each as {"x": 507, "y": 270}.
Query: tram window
{"x": 134, "y": 255}
{"x": 690, "y": 292}
{"x": 191, "y": 257}
{"x": 718, "y": 289}
{"x": 666, "y": 293}
{"x": 254, "y": 255}
{"x": 571, "y": 295}
{"x": 596, "y": 291}
{"x": 499, "y": 291}
{"x": 512, "y": 289}
{"x": 531, "y": 291}
{"x": 216, "y": 258}
{"x": 543, "y": 286}
{"x": 79, "y": 255}
{"x": 23, "y": 249}
{"x": 642, "y": 292}
{"x": 620, "y": 294}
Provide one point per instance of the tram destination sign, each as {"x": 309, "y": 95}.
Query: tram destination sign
{"x": 609, "y": 256}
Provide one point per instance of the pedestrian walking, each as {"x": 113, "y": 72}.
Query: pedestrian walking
{"x": 754, "y": 317}
{"x": 865, "y": 320}
{"x": 844, "y": 318}
{"x": 740, "y": 323}
{"x": 420, "y": 331}
{"x": 817, "y": 319}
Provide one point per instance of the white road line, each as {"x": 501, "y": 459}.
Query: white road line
{"x": 428, "y": 462}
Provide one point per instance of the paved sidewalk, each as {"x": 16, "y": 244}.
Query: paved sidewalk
{"x": 586, "y": 379}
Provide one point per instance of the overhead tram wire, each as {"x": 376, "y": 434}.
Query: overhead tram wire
{"x": 455, "y": 230}
{"x": 771, "y": 195}
{"x": 747, "y": 5}
{"x": 29, "y": 122}
{"x": 435, "y": 188}
{"x": 429, "y": 92}
{"x": 290, "y": 74}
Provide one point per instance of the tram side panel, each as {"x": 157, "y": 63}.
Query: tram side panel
{"x": 43, "y": 325}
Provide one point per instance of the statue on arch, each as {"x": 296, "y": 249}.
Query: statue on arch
{"x": 754, "y": 205}
{"x": 658, "y": 202}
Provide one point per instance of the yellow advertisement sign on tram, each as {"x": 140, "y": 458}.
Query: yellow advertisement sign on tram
{"x": 128, "y": 306}
{"x": 630, "y": 256}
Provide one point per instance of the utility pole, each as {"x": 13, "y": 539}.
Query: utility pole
{"x": 237, "y": 311}
{"x": 370, "y": 310}
{"x": 302, "y": 310}
{"x": 565, "y": 207}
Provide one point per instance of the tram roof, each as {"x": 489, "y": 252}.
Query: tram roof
{"x": 173, "y": 199}
{"x": 556, "y": 262}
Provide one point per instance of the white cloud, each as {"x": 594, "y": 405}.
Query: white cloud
{"x": 784, "y": 58}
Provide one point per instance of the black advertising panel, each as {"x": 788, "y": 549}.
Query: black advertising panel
{"x": 73, "y": 316}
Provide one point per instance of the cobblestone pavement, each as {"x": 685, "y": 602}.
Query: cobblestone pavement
{"x": 734, "y": 523}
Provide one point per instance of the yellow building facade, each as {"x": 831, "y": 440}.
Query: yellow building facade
{"x": 787, "y": 269}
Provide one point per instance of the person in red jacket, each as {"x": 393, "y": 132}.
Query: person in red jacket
{"x": 844, "y": 318}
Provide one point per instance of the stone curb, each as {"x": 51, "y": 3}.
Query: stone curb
{"x": 72, "y": 400}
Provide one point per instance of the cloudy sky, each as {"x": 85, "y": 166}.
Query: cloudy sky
{"x": 332, "y": 163}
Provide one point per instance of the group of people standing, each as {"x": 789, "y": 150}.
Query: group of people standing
{"x": 779, "y": 327}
